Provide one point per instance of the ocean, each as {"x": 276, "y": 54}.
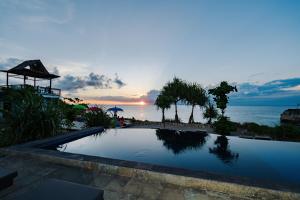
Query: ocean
{"x": 264, "y": 115}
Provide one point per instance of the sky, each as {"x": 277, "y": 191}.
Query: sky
{"x": 125, "y": 51}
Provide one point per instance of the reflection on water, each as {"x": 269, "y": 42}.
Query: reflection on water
{"x": 257, "y": 159}
{"x": 222, "y": 150}
{"x": 180, "y": 141}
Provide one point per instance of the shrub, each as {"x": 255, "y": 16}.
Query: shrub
{"x": 97, "y": 117}
{"x": 29, "y": 116}
{"x": 224, "y": 126}
{"x": 173, "y": 120}
{"x": 280, "y": 132}
{"x": 69, "y": 114}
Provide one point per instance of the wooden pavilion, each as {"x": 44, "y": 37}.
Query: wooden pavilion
{"x": 32, "y": 70}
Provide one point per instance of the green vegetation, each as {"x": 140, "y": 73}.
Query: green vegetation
{"x": 175, "y": 90}
{"x": 224, "y": 126}
{"x": 163, "y": 102}
{"x": 210, "y": 112}
{"x": 97, "y": 117}
{"x": 180, "y": 91}
{"x": 220, "y": 94}
{"x": 280, "y": 132}
{"x": 194, "y": 95}
{"x": 29, "y": 117}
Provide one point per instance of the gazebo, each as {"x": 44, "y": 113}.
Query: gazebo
{"x": 32, "y": 70}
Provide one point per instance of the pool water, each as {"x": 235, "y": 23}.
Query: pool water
{"x": 257, "y": 159}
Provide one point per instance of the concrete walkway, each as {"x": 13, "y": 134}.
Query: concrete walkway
{"x": 32, "y": 173}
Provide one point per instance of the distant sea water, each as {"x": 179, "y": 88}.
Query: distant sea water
{"x": 264, "y": 115}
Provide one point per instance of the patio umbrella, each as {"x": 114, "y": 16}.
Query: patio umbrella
{"x": 80, "y": 107}
{"x": 115, "y": 110}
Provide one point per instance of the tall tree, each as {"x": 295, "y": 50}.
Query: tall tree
{"x": 163, "y": 102}
{"x": 220, "y": 94}
{"x": 175, "y": 89}
{"x": 195, "y": 95}
{"x": 210, "y": 112}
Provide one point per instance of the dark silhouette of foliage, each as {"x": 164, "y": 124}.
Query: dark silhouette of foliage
{"x": 69, "y": 114}
{"x": 224, "y": 126}
{"x": 29, "y": 116}
{"x": 222, "y": 150}
{"x": 210, "y": 112}
{"x": 178, "y": 142}
{"x": 279, "y": 132}
{"x": 175, "y": 89}
{"x": 163, "y": 102}
{"x": 97, "y": 117}
{"x": 220, "y": 94}
{"x": 194, "y": 95}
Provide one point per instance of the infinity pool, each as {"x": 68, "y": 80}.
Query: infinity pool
{"x": 255, "y": 159}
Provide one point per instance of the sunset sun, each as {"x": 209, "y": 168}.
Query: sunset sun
{"x": 142, "y": 103}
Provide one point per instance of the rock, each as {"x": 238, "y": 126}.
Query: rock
{"x": 291, "y": 116}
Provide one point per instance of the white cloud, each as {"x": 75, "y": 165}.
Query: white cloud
{"x": 295, "y": 88}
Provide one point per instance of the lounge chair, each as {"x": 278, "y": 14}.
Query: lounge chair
{"x": 7, "y": 178}
{"x": 62, "y": 190}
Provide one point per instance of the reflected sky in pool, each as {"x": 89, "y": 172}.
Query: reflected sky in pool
{"x": 259, "y": 159}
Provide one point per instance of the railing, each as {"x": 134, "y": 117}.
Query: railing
{"x": 40, "y": 90}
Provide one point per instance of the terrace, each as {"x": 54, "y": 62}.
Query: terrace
{"x": 32, "y": 70}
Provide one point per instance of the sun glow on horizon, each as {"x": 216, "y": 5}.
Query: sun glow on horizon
{"x": 102, "y": 102}
{"x": 142, "y": 103}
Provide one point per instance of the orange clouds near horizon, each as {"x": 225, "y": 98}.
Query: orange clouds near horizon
{"x": 106, "y": 102}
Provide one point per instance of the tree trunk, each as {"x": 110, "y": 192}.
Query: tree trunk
{"x": 176, "y": 115}
{"x": 164, "y": 120}
{"x": 223, "y": 112}
{"x": 163, "y": 116}
{"x": 209, "y": 120}
{"x": 191, "y": 119}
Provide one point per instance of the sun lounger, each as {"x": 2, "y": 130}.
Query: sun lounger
{"x": 62, "y": 190}
{"x": 6, "y": 178}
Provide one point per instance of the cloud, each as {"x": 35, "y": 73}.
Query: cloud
{"x": 276, "y": 92}
{"x": 285, "y": 92}
{"x": 149, "y": 98}
{"x": 118, "y": 81}
{"x": 97, "y": 81}
{"x": 295, "y": 88}
{"x": 55, "y": 71}
{"x": 117, "y": 98}
{"x": 8, "y": 63}
{"x": 271, "y": 88}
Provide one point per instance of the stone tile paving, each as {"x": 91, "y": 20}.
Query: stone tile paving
{"x": 33, "y": 172}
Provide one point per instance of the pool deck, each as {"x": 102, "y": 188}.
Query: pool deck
{"x": 32, "y": 172}
{"x": 124, "y": 179}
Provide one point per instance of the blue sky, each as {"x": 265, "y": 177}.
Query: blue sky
{"x": 124, "y": 50}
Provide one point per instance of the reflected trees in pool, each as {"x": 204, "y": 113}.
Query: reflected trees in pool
{"x": 180, "y": 141}
{"x": 222, "y": 151}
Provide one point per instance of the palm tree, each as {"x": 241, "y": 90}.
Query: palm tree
{"x": 175, "y": 89}
{"x": 163, "y": 102}
{"x": 195, "y": 95}
{"x": 210, "y": 112}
